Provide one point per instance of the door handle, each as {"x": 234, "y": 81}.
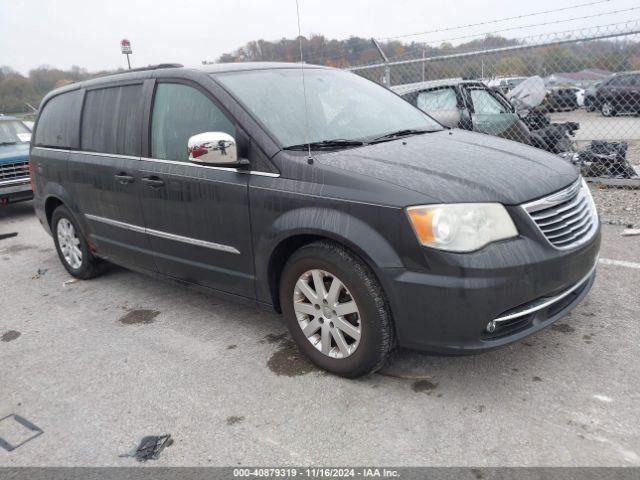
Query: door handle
{"x": 153, "y": 181}
{"x": 123, "y": 178}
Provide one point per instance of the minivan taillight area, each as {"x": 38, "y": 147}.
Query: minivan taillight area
{"x": 32, "y": 182}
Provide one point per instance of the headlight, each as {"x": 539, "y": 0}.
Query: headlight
{"x": 461, "y": 227}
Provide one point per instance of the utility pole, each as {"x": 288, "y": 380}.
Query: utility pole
{"x": 387, "y": 68}
{"x": 424, "y": 54}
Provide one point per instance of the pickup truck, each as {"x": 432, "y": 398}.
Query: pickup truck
{"x": 15, "y": 184}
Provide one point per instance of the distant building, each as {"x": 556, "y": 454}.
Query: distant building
{"x": 582, "y": 79}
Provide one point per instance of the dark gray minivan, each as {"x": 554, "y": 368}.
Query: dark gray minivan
{"x": 321, "y": 195}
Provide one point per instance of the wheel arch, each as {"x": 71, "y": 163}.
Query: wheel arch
{"x": 50, "y": 204}
{"x": 314, "y": 224}
{"x": 56, "y": 195}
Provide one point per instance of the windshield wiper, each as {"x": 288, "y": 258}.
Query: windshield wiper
{"x": 400, "y": 133}
{"x": 326, "y": 144}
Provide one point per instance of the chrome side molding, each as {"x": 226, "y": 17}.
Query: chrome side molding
{"x": 161, "y": 234}
{"x": 158, "y": 160}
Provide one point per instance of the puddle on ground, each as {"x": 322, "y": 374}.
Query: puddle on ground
{"x": 424, "y": 386}
{"x": 287, "y": 360}
{"x": 13, "y": 249}
{"x": 273, "y": 338}
{"x": 232, "y": 420}
{"x": 10, "y": 335}
{"x": 562, "y": 327}
{"x": 139, "y": 317}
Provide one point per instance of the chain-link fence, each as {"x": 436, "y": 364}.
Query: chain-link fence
{"x": 574, "y": 94}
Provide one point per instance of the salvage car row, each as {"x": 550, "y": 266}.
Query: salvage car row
{"x": 520, "y": 114}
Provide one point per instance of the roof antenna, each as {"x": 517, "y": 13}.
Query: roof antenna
{"x": 304, "y": 89}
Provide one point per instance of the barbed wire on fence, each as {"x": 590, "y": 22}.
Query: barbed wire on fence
{"x": 500, "y": 20}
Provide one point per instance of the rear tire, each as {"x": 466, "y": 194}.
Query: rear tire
{"x": 71, "y": 245}
{"x": 348, "y": 330}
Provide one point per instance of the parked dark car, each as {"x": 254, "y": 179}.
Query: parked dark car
{"x": 619, "y": 94}
{"x": 14, "y": 163}
{"x": 466, "y": 104}
{"x": 360, "y": 218}
{"x": 561, "y": 99}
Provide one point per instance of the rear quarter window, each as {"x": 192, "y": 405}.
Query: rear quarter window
{"x": 111, "y": 120}
{"x": 58, "y": 122}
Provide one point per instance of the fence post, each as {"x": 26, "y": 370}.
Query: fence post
{"x": 387, "y": 67}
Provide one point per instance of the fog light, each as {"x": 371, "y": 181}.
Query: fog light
{"x": 491, "y": 326}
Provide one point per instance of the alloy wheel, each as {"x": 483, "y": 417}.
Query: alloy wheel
{"x": 327, "y": 313}
{"x": 69, "y": 243}
{"x": 606, "y": 109}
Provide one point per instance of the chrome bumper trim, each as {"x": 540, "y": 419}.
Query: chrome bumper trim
{"x": 6, "y": 189}
{"x": 546, "y": 301}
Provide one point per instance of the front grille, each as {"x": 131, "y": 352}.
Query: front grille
{"x": 567, "y": 218}
{"x": 12, "y": 171}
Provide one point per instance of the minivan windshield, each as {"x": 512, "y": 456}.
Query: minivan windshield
{"x": 13, "y": 131}
{"x": 341, "y": 106}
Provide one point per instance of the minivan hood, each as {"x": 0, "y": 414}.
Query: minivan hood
{"x": 455, "y": 166}
{"x": 15, "y": 152}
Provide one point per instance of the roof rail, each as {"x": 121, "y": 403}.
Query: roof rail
{"x": 148, "y": 67}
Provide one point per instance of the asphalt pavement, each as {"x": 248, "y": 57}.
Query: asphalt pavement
{"x": 98, "y": 364}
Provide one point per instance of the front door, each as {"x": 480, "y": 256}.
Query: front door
{"x": 196, "y": 217}
{"x": 633, "y": 97}
{"x": 491, "y": 116}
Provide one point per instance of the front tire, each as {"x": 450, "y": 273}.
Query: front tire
{"x": 71, "y": 245}
{"x": 608, "y": 110}
{"x": 336, "y": 310}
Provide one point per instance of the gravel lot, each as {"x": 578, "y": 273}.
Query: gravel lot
{"x": 98, "y": 364}
{"x": 617, "y": 206}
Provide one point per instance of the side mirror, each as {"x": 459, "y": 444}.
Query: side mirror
{"x": 214, "y": 148}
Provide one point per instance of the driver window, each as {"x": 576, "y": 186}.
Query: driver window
{"x": 179, "y": 112}
{"x": 437, "y": 100}
{"x": 486, "y": 104}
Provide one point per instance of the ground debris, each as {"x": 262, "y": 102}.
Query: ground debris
{"x": 628, "y": 232}
{"x": 150, "y": 447}
{"x": 40, "y": 273}
{"x": 70, "y": 282}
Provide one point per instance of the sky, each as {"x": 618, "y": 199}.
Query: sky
{"x": 87, "y": 33}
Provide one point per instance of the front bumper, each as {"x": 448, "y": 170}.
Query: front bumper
{"x": 15, "y": 191}
{"x": 523, "y": 283}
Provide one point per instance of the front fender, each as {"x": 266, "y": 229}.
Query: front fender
{"x": 335, "y": 225}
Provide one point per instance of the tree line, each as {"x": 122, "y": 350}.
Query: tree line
{"x": 17, "y": 91}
